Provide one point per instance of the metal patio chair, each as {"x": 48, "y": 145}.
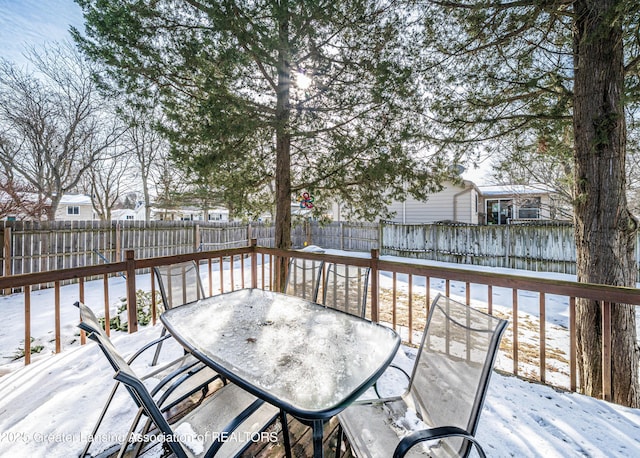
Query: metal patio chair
{"x": 438, "y": 414}
{"x": 204, "y": 431}
{"x": 345, "y": 288}
{"x": 177, "y": 380}
{"x": 178, "y": 283}
{"x": 303, "y": 278}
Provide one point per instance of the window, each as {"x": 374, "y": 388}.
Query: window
{"x": 71, "y": 210}
{"x": 529, "y": 208}
{"x": 499, "y": 211}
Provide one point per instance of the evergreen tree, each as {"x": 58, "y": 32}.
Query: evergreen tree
{"x": 527, "y": 73}
{"x": 316, "y": 96}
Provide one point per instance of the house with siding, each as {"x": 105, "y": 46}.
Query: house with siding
{"x": 185, "y": 213}
{"x": 506, "y": 204}
{"x": 465, "y": 202}
{"x": 75, "y": 207}
{"x": 457, "y": 202}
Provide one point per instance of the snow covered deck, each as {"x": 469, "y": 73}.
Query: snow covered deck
{"x": 47, "y": 409}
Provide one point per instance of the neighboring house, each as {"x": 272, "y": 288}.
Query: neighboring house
{"x": 124, "y": 214}
{"x": 504, "y": 204}
{"x": 75, "y": 207}
{"x": 456, "y": 202}
{"x": 185, "y": 214}
{"x": 28, "y": 206}
{"x": 464, "y": 202}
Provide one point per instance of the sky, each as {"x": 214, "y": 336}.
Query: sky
{"x": 47, "y": 409}
{"x": 26, "y": 23}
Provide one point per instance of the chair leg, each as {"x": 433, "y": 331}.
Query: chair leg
{"x": 285, "y": 433}
{"x": 85, "y": 451}
{"x": 158, "y": 348}
{"x": 339, "y": 441}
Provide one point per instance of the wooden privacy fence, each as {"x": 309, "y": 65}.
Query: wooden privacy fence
{"x": 35, "y": 246}
{"x": 537, "y": 247}
{"x": 30, "y": 247}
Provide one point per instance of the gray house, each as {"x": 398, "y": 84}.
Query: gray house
{"x": 464, "y": 202}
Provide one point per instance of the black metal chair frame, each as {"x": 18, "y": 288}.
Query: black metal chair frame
{"x": 362, "y": 286}
{"x": 166, "y": 290}
{"x": 494, "y": 331}
{"x": 315, "y": 270}
{"x": 174, "y": 374}
{"x": 144, "y": 398}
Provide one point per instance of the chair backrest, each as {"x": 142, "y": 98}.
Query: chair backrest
{"x": 453, "y": 366}
{"x": 90, "y": 323}
{"x": 179, "y": 283}
{"x": 345, "y": 288}
{"x": 124, "y": 374}
{"x": 303, "y": 278}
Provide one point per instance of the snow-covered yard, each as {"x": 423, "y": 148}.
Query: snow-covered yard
{"x": 47, "y": 409}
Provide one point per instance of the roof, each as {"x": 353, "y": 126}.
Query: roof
{"x": 514, "y": 189}
{"x": 75, "y": 199}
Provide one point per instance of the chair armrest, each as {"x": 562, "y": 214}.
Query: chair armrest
{"x": 393, "y": 366}
{"x": 439, "y": 432}
{"x": 147, "y": 346}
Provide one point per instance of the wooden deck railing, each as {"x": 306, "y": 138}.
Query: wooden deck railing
{"x": 404, "y": 308}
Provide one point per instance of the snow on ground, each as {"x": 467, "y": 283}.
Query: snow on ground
{"x": 47, "y": 409}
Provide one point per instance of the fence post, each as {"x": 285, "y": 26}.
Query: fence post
{"x": 118, "y": 256}
{"x": 375, "y": 311}
{"x": 132, "y": 307}
{"x": 7, "y": 255}
{"x": 196, "y": 237}
{"x": 507, "y": 245}
{"x": 436, "y": 248}
{"x": 254, "y": 264}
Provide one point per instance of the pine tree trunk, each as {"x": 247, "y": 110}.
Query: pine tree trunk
{"x": 605, "y": 229}
{"x": 283, "y": 145}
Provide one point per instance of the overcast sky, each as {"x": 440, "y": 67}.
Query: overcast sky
{"x": 26, "y": 23}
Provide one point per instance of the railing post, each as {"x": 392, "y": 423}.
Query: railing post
{"x": 7, "y": 255}
{"x": 254, "y": 264}
{"x": 375, "y": 310}
{"x": 606, "y": 350}
{"x": 27, "y": 324}
{"x": 132, "y": 307}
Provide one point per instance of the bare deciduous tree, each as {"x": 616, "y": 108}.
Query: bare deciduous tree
{"x": 148, "y": 147}
{"x": 104, "y": 182}
{"x": 18, "y": 200}
{"x": 54, "y": 125}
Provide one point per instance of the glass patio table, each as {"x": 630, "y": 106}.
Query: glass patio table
{"x": 309, "y": 360}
